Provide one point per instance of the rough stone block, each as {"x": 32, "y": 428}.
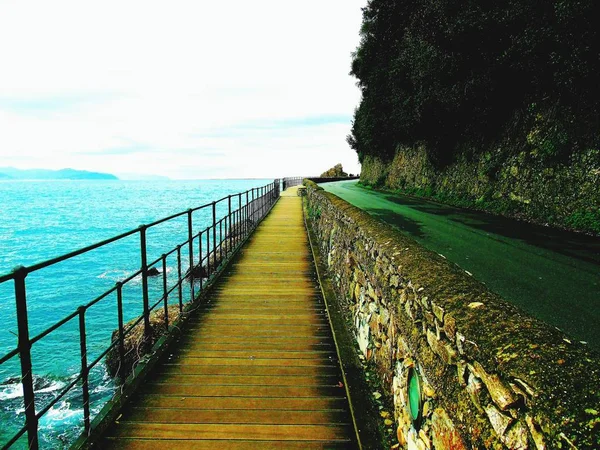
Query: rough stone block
{"x": 500, "y": 393}
{"x": 517, "y": 437}
{"x": 474, "y": 387}
{"x": 445, "y": 435}
{"x": 450, "y": 326}
{"x": 499, "y": 421}
{"x": 438, "y": 311}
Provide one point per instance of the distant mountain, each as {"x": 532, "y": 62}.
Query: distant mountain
{"x": 45, "y": 174}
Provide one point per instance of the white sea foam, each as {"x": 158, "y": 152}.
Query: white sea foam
{"x": 10, "y": 391}
{"x": 54, "y": 386}
{"x": 60, "y": 414}
{"x": 15, "y": 390}
{"x": 114, "y": 275}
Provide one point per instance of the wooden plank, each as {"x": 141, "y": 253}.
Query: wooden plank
{"x": 250, "y": 380}
{"x": 280, "y": 417}
{"x": 291, "y": 331}
{"x": 243, "y": 403}
{"x": 232, "y": 431}
{"x": 277, "y": 345}
{"x": 307, "y": 296}
{"x": 283, "y": 340}
{"x": 188, "y": 444}
{"x": 262, "y": 307}
{"x": 250, "y": 362}
{"x": 196, "y": 390}
{"x": 279, "y": 354}
{"x": 266, "y": 317}
{"x": 267, "y": 371}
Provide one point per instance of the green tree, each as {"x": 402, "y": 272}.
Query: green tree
{"x": 467, "y": 74}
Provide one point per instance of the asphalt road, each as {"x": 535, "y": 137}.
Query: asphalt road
{"x": 551, "y": 274}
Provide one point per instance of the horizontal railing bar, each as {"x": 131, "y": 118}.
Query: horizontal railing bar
{"x": 165, "y": 219}
{"x": 100, "y": 297}
{"x": 89, "y": 248}
{"x": 222, "y": 199}
{"x": 6, "y": 277}
{"x": 175, "y": 286}
{"x": 103, "y": 354}
{"x": 49, "y": 330}
{"x": 208, "y": 205}
{"x": 15, "y": 438}
{"x": 9, "y": 355}
{"x": 131, "y": 277}
{"x": 137, "y": 322}
{"x": 162, "y": 299}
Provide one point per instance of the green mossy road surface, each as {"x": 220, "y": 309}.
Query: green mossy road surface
{"x": 553, "y": 275}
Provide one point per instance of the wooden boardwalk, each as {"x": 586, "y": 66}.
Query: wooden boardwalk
{"x": 257, "y": 369}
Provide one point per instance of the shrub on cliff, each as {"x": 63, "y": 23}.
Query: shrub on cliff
{"x": 136, "y": 344}
{"x": 468, "y": 74}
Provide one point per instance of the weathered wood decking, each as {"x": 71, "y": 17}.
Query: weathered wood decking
{"x": 258, "y": 368}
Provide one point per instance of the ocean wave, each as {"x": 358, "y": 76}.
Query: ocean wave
{"x": 59, "y": 415}
{"x": 9, "y": 392}
{"x": 12, "y": 388}
{"x": 116, "y": 275}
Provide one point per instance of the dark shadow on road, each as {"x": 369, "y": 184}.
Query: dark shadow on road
{"x": 406, "y": 225}
{"x": 583, "y": 247}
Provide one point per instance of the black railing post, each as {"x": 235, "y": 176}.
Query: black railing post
{"x": 179, "y": 280}
{"x": 191, "y": 253}
{"x": 144, "y": 257}
{"x": 208, "y": 252}
{"x": 84, "y": 370}
{"x": 240, "y": 230}
{"x": 25, "y": 356}
{"x": 200, "y": 259}
{"x": 165, "y": 289}
{"x": 246, "y": 215}
{"x": 253, "y": 208}
{"x": 220, "y": 241}
{"x": 121, "y": 329}
{"x": 214, "y": 217}
{"x": 228, "y": 232}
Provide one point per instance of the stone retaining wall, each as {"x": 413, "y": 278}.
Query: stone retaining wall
{"x": 493, "y": 377}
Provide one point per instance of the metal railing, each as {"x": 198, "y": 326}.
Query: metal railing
{"x": 214, "y": 243}
{"x": 292, "y": 181}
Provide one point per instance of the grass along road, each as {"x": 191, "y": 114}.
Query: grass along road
{"x": 551, "y": 274}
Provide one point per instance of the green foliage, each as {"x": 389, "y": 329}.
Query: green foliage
{"x": 467, "y": 74}
{"x": 314, "y": 212}
{"x": 585, "y": 220}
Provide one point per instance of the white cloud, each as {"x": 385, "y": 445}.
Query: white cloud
{"x": 180, "y": 88}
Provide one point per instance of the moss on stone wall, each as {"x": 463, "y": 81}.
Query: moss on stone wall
{"x": 565, "y": 194}
{"x": 493, "y": 377}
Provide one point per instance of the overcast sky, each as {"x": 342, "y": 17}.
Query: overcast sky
{"x": 184, "y": 89}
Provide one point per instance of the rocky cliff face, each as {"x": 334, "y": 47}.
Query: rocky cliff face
{"x": 564, "y": 194}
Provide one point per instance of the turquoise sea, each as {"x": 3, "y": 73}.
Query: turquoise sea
{"x": 40, "y": 220}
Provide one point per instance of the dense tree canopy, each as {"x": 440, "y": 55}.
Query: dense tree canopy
{"x": 464, "y": 74}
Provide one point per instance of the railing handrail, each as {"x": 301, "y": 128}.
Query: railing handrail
{"x": 257, "y": 203}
